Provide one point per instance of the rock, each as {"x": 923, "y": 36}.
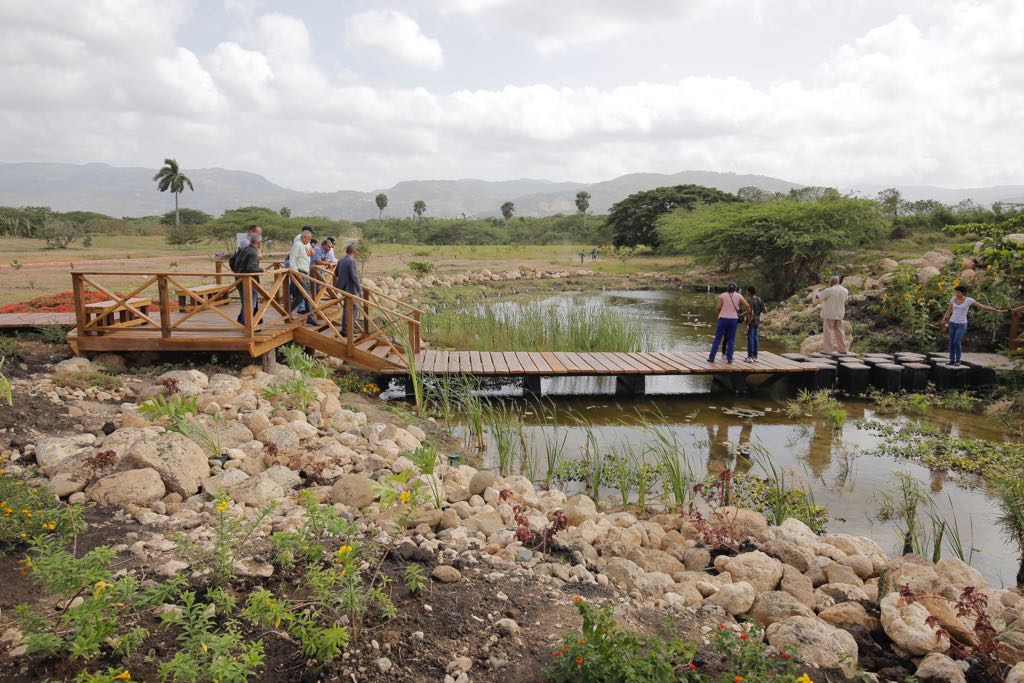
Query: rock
{"x": 927, "y": 273}
{"x": 906, "y": 625}
{"x": 224, "y": 480}
{"x": 622, "y": 571}
{"x": 579, "y": 509}
{"x": 227, "y": 433}
{"x": 1016, "y": 674}
{"x": 459, "y": 665}
{"x": 847, "y": 615}
{"x": 256, "y": 491}
{"x": 486, "y": 523}
{"x": 697, "y": 559}
{"x": 383, "y": 664}
{"x": 834, "y": 593}
{"x": 945, "y": 617}
{"x": 354, "y": 490}
{"x": 506, "y": 627}
{"x": 919, "y": 575}
{"x": 651, "y": 560}
{"x": 253, "y": 568}
{"x": 171, "y": 568}
{"x": 445, "y": 573}
{"x": 480, "y": 481}
{"x": 285, "y": 478}
{"x": 774, "y": 606}
{"x": 761, "y": 571}
{"x": 50, "y": 453}
{"x": 73, "y": 364}
{"x": 734, "y": 598}
{"x": 134, "y": 487}
{"x": 968, "y": 275}
{"x": 182, "y": 464}
{"x": 959, "y": 574}
{"x": 741, "y": 521}
{"x": 282, "y": 436}
{"x": 818, "y": 643}
{"x": 789, "y": 553}
{"x": 185, "y": 382}
{"x": 799, "y": 586}
{"x": 888, "y": 265}
{"x": 938, "y": 668}
{"x": 113, "y": 362}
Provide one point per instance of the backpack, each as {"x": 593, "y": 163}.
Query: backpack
{"x": 233, "y": 261}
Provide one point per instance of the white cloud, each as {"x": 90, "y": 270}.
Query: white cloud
{"x": 393, "y": 35}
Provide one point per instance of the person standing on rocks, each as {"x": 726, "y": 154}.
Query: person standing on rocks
{"x": 833, "y": 313}
{"x": 346, "y": 278}
{"x": 954, "y": 321}
{"x": 728, "y": 307}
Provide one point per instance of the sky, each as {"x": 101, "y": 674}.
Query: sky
{"x": 361, "y": 94}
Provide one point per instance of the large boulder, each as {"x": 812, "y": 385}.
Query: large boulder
{"x": 223, "y": 481}
{"x": 652, "y": 560}
{"x": 52, "y": 452}
{"x": 578, "y": 509}
{"x": 619, "y": 570}
{"x": 938, "y": 668}
{"x": 816, "y": 342}
{"x": 182, "y": 464}
{"x": 850, "y": 615}
{"x": 185, "y": 382}
{"x": 774, "y": 606}
{"x": 481, "y": 481}
{"x": 761, "y": 571}
{"x": 734, "y": 598}
{"x": 256, "y": 491}
{"x": 354, "y": 490}
{"x": 907, "y": 625}
{"x": 134, "y": 487}
{"x": 919, "y": 575}
{"x": 226, "y": 433}
{"x": 959, "y": 574}
{"x": 818, "y": 643}
{"x": 926, "y": 274}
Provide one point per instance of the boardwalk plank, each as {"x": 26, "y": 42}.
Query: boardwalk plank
{"x": 540, "y": 362}
{"x": 476, "y": 364}
{"x": 487, "y": 363}
{"x": 514, "y": 366}
{"x": 572, "y": 361}
{"x": 498, "y": 360}
{"x": 527, "y": 362}
{"x": 557, "y": 368}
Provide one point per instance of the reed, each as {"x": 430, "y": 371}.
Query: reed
{"x": 539, "y": 327}
{"x": 506, "y": 429}
{"x": 473, "y": 409}
{"x": 442, "y": 398}
{"x": 554, "y": 444}
{"x": 784, "y": 500}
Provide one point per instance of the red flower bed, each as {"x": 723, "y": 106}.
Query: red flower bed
{"x": 62, "y": 302}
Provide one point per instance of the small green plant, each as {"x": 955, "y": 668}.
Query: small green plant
{"x": 293, "y": 393}
{"x": 746, "y": 659}
{"x": 506, "y": 427}
{"x": 420, "y": 268}
{"x": 902, "y": 505}
{"x": 821, "y": 404}
{"x": 175, "y": 408}
{"x": 53, "y": 334}
{"x": 29, "y": 511}
{"x": 230, "y": 535}
{"x": 85, "y": 378}
{"x": 415, "y": 578}
{"x": 426, "y": 460}
{"x": 8, "y": 346}
{"x": 6, "y": 393}
{"x": 296, "y": 358}
{"x": 605, "y": 653}
{"x": 1010, "y": 503}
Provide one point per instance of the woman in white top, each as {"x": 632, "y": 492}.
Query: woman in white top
{"x": 955, "y": 321}
{"x": 728, "y": 307}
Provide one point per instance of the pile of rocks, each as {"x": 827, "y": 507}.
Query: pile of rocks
{"x": 400, "y": 288}
{"x": 820, "y": 594}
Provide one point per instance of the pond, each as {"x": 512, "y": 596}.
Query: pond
{"x": 713, "y": 428}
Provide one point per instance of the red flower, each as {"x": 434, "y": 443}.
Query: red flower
{"x": 692, "y": 667}
{"x": 744, "y": 636}
{"x": 737, "y": 679}
{"x": 785, "y": 655}
{"x": 579, "y": 660}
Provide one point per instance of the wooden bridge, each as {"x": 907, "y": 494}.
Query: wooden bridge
{"x": 194, "y": 311}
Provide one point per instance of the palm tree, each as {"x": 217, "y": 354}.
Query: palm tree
{"x": 507, "y": 209}
{"x": 419, "y": 208}
{"x": 382, "y": 201}
{"x": 171, "y": 178}
{"x": 582, "y": 204}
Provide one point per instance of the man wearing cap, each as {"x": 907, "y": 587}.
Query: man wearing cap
{"x": 247, "y": 260}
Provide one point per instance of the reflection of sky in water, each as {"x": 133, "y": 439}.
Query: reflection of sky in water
{"x": 835, "y": 466}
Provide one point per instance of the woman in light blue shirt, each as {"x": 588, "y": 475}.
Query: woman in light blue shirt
{"x": 955, "y": 321}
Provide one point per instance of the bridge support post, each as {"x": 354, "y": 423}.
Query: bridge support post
{"x": 735, "y": 382}
{"x": 268, "y": 361}
{"x": 630, "y": 385}
{"x": 531, "y": 385}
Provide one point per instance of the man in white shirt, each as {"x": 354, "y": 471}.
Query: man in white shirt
{"x": 298, "y": 259}
{"x": 833, "y": 311}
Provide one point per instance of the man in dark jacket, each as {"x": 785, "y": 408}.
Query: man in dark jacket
{"x": 247, "y": 260}
{"x": 346, "y": 278}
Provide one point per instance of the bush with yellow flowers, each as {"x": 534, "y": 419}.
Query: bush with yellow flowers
{"x": 28, "y": 510}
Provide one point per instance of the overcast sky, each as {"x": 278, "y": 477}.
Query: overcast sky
{"x": 359, "y": 94}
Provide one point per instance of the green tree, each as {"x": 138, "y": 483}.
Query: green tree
{"x": 634, "y": 218}
{"x": 419, "y": 207}
{"x": 285, "y": 212}
{"x": 788, "y": 241}
{"x": 186, "y": 217}
{"x": 171, "y": 178}
{"x": 507, "y": 210}
{"x": 382, "y": 202}
{"x": 582, "y": 204}
{"x": 891, "y": 201}
{"x": 756, "y": 194}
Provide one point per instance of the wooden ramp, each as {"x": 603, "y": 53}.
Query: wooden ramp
{"x": 557, "y": 364}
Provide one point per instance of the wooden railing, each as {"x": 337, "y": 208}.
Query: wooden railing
{"x": 212, "y": 302}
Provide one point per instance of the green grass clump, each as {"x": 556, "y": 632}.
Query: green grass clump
{"x": 83, "y": 379}
{"x": 539, "y": 327}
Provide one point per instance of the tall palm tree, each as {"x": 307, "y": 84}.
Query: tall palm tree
{"x": 171, "y": 178}
{"x": 507, "y": 209}
{"x": 582, "y": 204}
{"x": 382, "y": 201}
{"x": 419, "y": 207}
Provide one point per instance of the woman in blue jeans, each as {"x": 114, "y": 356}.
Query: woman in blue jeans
{"x": 955, "y": 321}
{"x": 728, "y": 307}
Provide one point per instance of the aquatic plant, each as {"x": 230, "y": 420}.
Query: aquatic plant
{"x": 821, "y": 404}
{"x": 506, "y": 428}
{"x": 778, "y": 499}
{"x": 1010, "y": 502}
{"x": 554, "y": 445}
{"x": 538, "y": 327}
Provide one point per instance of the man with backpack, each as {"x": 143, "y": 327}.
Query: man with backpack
{"x": 247, "y": 260}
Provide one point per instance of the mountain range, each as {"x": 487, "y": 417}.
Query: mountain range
{"x": 130, "y": 191}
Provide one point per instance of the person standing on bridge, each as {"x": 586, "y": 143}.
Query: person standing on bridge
{"x": 833, "y": 312}
{"x": 298, "y": 259}
{"x": 728, "y": 307}
{"x": 247, "y": 260}
{"x": 346, "y": 278}
{"x": 756, "y": 308}
{"x": 954, "y": 321}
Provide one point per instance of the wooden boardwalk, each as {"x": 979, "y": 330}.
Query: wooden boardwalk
{"x": 558, "y": 364}
{"x": 14, "y": 321}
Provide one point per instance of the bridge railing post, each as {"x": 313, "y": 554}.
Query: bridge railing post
{"x": 78, "y": 286}
{"x": 247, "y": 305}
{"x": 350, "y": 325}
{"x": 165, "y": 307}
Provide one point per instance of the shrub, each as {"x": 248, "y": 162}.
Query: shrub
{"x": 420, "y": 267}
{"x": 83, "y": 379}
{"x": 28, "y": 512}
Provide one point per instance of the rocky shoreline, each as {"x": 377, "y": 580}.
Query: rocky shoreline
{"x": 838, "y": 600}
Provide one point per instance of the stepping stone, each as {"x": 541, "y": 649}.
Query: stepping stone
{"x": 915, "y": 376}
{"x": 887, "y": 376}
{"x": 854, "y": 378}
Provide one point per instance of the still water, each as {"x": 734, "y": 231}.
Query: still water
{"x": 709, "y": 424}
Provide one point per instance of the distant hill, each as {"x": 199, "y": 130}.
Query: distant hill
{"x": 130, "y": 191}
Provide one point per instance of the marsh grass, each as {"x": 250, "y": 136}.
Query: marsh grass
{"x": 474, "y": 411}
{"x": 539, "y": 327}
{"x": 554, "y": 444}
{"x": 784, "y": 498}
{"x": 1010, "y": 504}
{"x": 506, "y": 427}
{"x": 821, "y": 404}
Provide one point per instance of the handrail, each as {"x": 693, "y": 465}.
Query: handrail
{"x": 180, "y": 273}
{"x": 359, "y": 299}
{"x": 392, "y": 299}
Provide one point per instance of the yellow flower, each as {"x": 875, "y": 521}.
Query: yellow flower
{"x": 101, "y": 586}
{"x": 804, "y": 679}
{"x": 404, "y": 496}
{"x": 222, "y": 506}
{"x": 123, "y": 676}
{"x": 956, "y": 282}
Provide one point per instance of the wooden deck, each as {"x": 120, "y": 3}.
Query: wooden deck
{"x": 558, "y": 364}
{"x": 14, "y": 321}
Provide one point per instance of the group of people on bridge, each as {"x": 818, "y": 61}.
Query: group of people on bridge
{"x": 833, "y": 314}
{"x": 316, "y": 261}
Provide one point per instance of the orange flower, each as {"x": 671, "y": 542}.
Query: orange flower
{"x": 737, "y": 679}
{"x": 579, "y": 660}
{"x": 578, "y": 599}
{"x": 692, "y": 667}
